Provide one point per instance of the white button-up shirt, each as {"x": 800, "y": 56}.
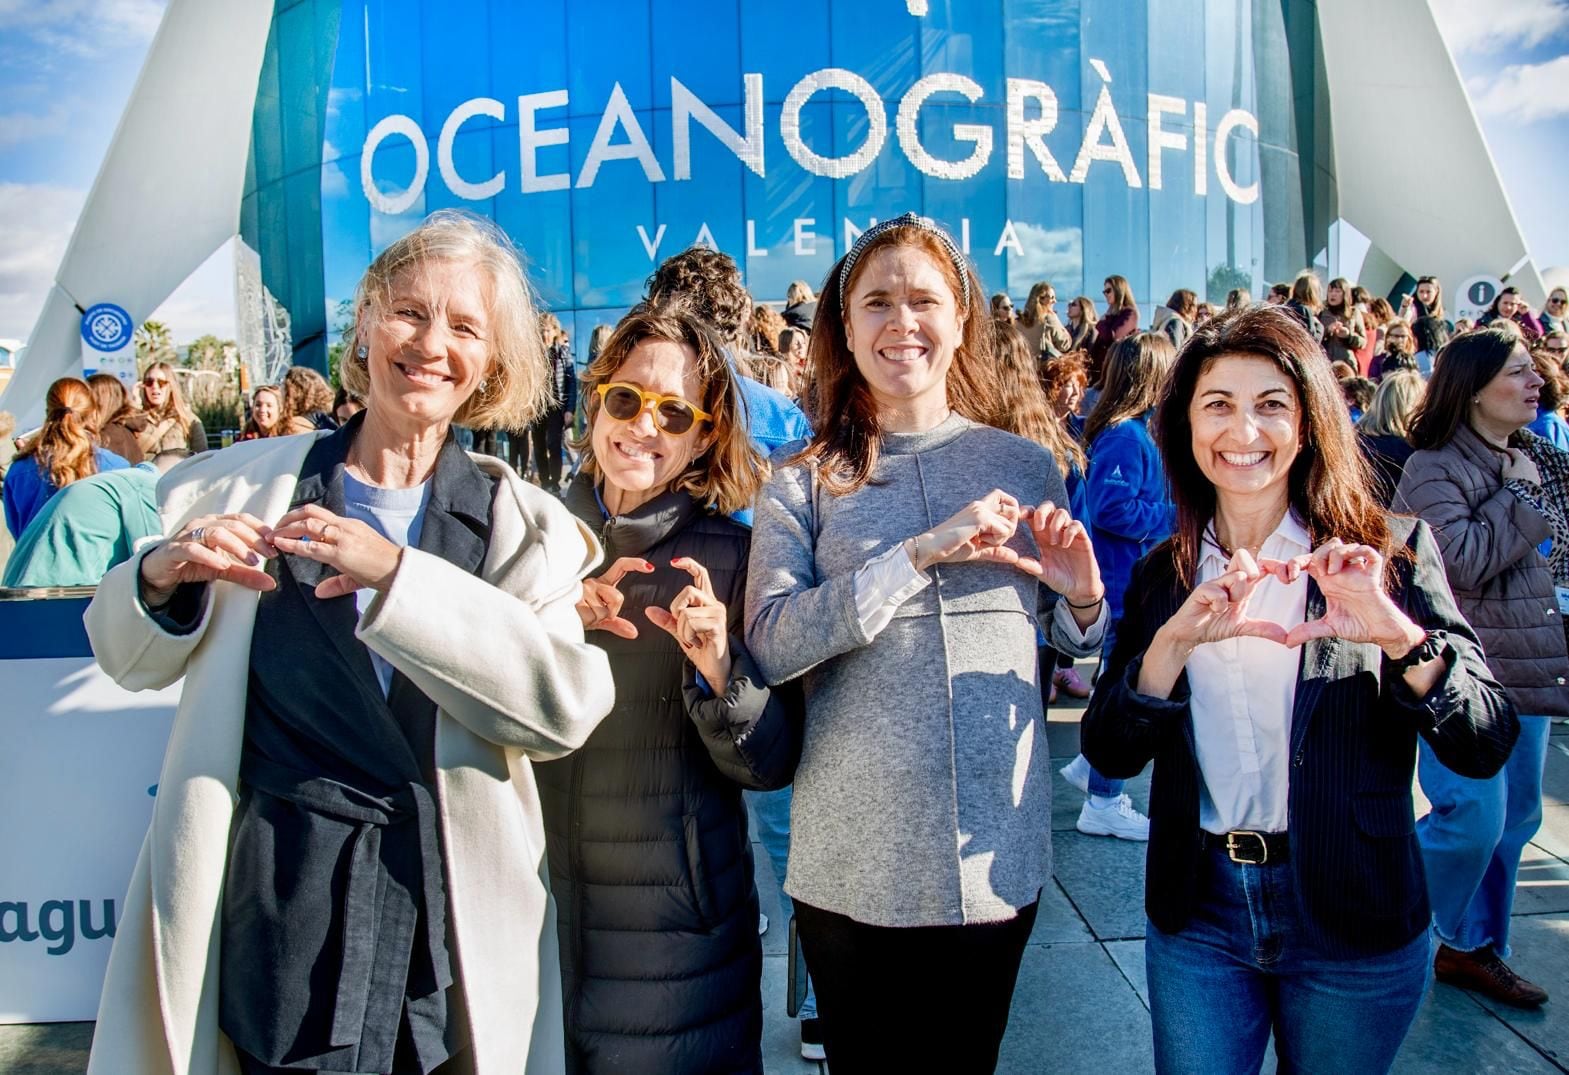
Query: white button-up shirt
{"x": 1242, "y": 694}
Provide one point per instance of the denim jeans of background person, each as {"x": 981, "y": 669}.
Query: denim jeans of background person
{"x": 1473, "y": 838}
{"x": 1242, "y": 962}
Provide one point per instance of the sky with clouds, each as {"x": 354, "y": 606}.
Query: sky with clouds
{"x": 68, "y": 66}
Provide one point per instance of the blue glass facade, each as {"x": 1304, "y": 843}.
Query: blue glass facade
{"x": 605, "y": 135}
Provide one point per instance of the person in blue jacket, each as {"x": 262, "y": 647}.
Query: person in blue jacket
{"x": 63, "y": 451}
{"x": 1130, "y": 512}
{"x": 1551, "y": 397}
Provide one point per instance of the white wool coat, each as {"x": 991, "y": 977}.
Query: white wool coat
{"x": 504, "y": 659}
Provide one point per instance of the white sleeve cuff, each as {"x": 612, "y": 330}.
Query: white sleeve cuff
{"x": 1066, "y": 636}
{"x": 884, "y": 583}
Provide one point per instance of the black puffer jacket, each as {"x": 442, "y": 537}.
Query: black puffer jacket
{"x": 650, "y": 862}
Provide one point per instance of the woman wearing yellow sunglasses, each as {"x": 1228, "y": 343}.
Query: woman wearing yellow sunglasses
{"x": 650, "y": 862}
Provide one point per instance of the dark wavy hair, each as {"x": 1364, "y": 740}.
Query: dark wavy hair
{"x": 1330, "y": 484}
{"x": 708, "y": 282}
{"x": 1460, "y": 371}
{"x": 845, "y": 449}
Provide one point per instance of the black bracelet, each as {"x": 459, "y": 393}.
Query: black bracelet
{"x": 1099, "y": 600}
{"x": 1430, "y": 648}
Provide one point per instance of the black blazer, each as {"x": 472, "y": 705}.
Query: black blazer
{"x": 1352, "y": 833}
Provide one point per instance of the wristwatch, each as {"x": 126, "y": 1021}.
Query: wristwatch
{"x": 1431, "y": 647}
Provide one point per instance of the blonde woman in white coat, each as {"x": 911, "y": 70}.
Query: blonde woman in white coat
{"x": 345, "y": 867}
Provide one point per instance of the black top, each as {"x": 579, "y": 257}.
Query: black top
{"x": 1387, "y": 454}
{"x": 1358, "y": 869}
{"x": 334, "y": 917}
{"x": 646, "y": 830}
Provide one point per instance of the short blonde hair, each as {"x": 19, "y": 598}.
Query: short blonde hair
{"x": 1389, "y": 415}
{"x": 516, "y": 383}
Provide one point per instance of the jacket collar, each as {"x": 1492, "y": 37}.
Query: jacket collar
{"x": 1477, "y": 452}
{"x": 640, "y": 529}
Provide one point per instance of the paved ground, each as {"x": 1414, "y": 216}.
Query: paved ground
{"x": 1080, "y": 1002}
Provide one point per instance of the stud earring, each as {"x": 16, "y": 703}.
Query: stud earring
{"x": 363, "y": 353}
{"x": 484, "y": 385}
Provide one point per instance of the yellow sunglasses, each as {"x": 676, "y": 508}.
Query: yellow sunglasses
{"x": 624, "y": 402}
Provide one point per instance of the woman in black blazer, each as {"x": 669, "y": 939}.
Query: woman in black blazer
{"x": 1279, "y": 656}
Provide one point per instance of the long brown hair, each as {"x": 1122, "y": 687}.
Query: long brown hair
{"x": 1121, "y": 294}
{"x": 1029, "y": 413}
{"x": 1461, "y": 369}
{"x": 110, "y": 399}
{"x": 845, "y": 451}
{"x": 174, "y": 405}
{"x": 63, "y": 448}
{"x": 728, "y": 475}
{"x": 1329, "y": 482}
{"x": 1131, "y": 381}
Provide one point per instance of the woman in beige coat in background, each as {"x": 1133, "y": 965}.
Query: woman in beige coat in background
{"x": 291, "y": 861}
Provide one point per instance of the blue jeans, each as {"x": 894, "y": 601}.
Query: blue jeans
{"x": 1243, "y": 966}
{"x": 771, "y": 815}
{"x": 1472, "y": 840}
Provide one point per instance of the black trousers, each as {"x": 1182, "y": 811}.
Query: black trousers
{"x": 925, "y": 998}
{"x": 546, "y": 433}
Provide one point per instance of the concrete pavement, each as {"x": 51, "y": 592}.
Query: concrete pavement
{"x": 1080, "y": 1003}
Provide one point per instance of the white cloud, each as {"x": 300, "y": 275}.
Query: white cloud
{"x": 18, "y": 127}
{"x": 1469, "y": 26}
{"x": 36, "y": 221}
{"x": 83, "y": 27}
{"x": 1525, "y": 92}
{"x": 1055, "y": 254}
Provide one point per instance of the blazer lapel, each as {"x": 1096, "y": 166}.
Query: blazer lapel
{"x": 321, "y": 482}
{"x": 457, "y": 517}
{"x": 1318, "y": 662}
{"x": 456, "y": 527}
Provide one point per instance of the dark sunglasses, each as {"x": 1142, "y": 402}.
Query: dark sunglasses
{"x": 152, "y": 381}
{"x": 624, "y": 402}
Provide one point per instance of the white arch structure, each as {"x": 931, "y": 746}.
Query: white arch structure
{"x": 168, "y": 193}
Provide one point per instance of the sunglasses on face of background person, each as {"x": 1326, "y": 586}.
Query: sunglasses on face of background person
{"x": 672, "y": 414}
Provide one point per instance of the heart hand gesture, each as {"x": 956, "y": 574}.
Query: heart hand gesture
{"x": 1356, "y": 606}
{"x": 1066, "y": 561}
{"x": 984, "y": 524}
{"x": 600, "y": 606}
{"x": 697, "y": 620}
{"x": 1218, "y": 609}
{"x": 213, "y": 548}
{"x": 361, "y": 556}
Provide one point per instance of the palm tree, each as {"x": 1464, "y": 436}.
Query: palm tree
{"x": 154, "y": 343}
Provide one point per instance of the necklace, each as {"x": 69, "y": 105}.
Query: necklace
{"x": 1227, "y": 551}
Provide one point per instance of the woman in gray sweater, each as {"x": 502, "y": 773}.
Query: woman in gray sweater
{"x": 899, "y": 563}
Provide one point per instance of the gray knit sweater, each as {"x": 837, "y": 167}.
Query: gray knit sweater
{"x": 923, "y": 795}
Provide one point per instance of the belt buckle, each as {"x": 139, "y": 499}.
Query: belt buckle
{"x": 1234, "y": 850}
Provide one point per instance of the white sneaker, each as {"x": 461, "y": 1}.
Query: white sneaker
{"x": 1077, "y": 773}
{"x": 1118, "y": 819}
{"x": 762, "y": 923}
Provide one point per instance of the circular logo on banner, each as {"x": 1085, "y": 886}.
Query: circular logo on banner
{"x": 1477, "y": 294}
{"x": 106, "y": 327}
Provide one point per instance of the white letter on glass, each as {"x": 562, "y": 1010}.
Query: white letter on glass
{"x": 618, "y": 113}
{"x": 393, "y": 204}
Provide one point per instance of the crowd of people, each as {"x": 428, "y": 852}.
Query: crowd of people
{"x": 464, "y": 766}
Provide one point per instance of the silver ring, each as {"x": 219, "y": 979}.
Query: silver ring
{"x": 197, "y": 535}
